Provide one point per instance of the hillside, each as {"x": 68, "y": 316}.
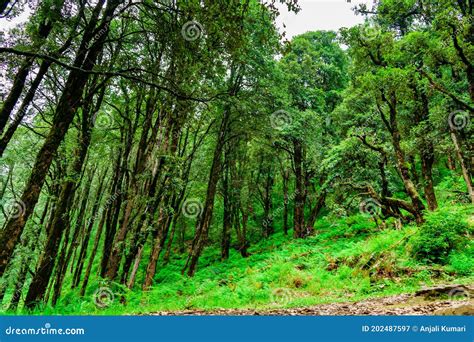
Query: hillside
{"x": 347, "y": 260}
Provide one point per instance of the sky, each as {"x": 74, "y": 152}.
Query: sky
{"x": 6, "y": 24}
{"x": 314, "y": 15}
{"x": 319, "y": 15}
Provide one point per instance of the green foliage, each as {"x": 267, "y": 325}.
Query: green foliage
{"x": 462, "y": 263}
{"x": 234, "y": 119}
{"x": 443, "y": 232}
{"x": 347, "y": 259}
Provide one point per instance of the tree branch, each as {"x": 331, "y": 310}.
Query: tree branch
{"x": 108, "y": 73}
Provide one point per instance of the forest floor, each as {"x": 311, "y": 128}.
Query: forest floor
{"x": 405, "y": 304}
{"x": 349, "y": 267}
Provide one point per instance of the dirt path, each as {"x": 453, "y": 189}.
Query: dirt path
{"x": 406, "y": 304}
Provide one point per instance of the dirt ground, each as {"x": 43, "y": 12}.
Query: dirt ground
{"x": 423, "y": 303}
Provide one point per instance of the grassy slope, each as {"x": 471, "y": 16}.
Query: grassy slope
{"x": 347, "y": 260}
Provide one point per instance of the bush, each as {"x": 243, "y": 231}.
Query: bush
{"x": 462, "y": 263}
{"x": 443, "y": 232}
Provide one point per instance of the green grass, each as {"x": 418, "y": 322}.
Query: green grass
{"x": 347, "y": 259}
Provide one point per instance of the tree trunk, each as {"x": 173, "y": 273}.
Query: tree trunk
{"x": 414, "y": 173}
{"x": 3, "y": 6}
{"x": 242, "y": 233}
{"x": 24, "y": 107}
{"x": 316, "y": 209}
{"x": 227, "y": 217}
{"x": 298, "y": 216}
{"x": 136, "y": 264}
{"x": 451, "y": 165}
{"x": 15, "y": 93}
{"x": 60, "y": 225}
{"x": 268, "y": 203}
{"x": 285, "y": 178}
{"x": 392, "y": 126}
{"x": 93, "y": 253}
{"x": 405, "y": 175}
{"x": 65, "y": 112}
{"x": 164, "y": 222}
{"x": 44, "y": 29}
{"x": 169, "y": 244}
{"x": 46, "y": 263}
{"x": 85, "y": 241}
{"x": 116, "y": 254}
{"x": 426, "y": 149}
{"x": 427, "y": 161}
{"x": 25, "y": 266}
{"x": 114, "y": 204}
{"x": 462, "y": 163}
{"x": 204, "y": 221}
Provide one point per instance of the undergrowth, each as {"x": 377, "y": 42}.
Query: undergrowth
{"x": 347, "y": 259}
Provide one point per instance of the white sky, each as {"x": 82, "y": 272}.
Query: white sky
{"x": 6, "y": 24}
{"x": 319, "y": 15}
{"x": 314, "y": 15}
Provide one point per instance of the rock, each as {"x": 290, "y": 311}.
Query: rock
{"x": 459, "y": 310}
{"x": 449, "y": 290}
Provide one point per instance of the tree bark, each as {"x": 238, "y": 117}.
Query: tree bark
{"x": 227, "y": 217}
{"x": 392, "y": 126}
{"x": 285, "y": 179}
{"x": 422, "y": 114}
{"x": 204, "y": 221}
{"x": 316, "y": 209}
{"x": 24, "y": 107}
{"x": 65, "y": 112}
{"x": 164, "y": 222}
{"x": 114, "y": 204}
{"x": 93, "y": 253}
{"x": 25, "y": 267}
{"x": 427, "y": 161}
{"x": 141, "y": 157}
{"x": 85, "y": 242}
{"x": 3, "y": 6}
{"x": 462, "y": 163}
{"x": 42, "y": 276}
{"x": 299, "y": 230}
{"x": 43, "y": 31}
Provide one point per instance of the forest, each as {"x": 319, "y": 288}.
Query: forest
{"x": 184, "y": 156}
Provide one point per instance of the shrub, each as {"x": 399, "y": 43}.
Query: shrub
{"x": 443, "y": 232}
{"x": 462, "y": 262}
